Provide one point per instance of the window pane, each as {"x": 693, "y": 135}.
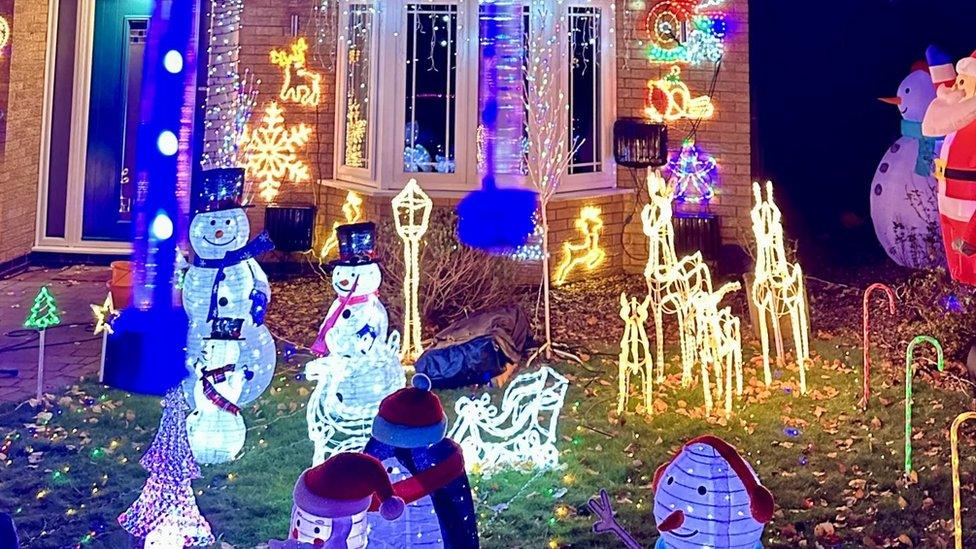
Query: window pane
{"x": 357, "y": 86}
{"x": 584, "y": 89}
{"x": 430, "y": 102}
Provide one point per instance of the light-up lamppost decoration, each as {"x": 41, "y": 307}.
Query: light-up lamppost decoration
{"x": 411, "y": 208}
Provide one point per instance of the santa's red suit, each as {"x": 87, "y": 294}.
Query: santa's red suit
{"x": 956, "y": 173}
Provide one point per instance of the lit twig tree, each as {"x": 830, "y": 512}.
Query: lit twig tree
{"x": 550, "y": 148}
{"x": 230, "y": 98}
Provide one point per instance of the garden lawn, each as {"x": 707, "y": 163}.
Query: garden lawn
{"x": 835, "y": 472}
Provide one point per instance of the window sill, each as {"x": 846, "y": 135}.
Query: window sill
{"x": 457, "y": 195}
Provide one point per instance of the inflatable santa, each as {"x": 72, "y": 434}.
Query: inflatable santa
{"x": 953, "y": 114}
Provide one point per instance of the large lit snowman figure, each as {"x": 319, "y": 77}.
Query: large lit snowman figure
{"x": 904, "y": 206}
{"x": 225, "y": 281}
{"x": 358, "y": 364}
{"x": 706, "y": 496}
{"x": 331, "y": 500}
{"x": 215, "y": 428}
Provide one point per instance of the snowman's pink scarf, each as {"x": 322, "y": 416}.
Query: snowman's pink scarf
{"x": 320, "y": 347}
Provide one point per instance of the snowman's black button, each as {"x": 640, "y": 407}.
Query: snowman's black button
{"x": 346, "y": 314}
{"x": 222, "y": 302}
{"x": 221, "y": 276}
{"x": 877, "y": 190}
{"x": 883, "y": 168}
{"x": 895, "y": 147}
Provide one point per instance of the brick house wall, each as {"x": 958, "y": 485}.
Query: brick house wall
{"x": 726, "y": 136}
{"x": 19, "y": 160}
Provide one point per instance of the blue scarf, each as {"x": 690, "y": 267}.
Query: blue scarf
{"x": 261, "y": 243}
{"x": 926, "y": 147}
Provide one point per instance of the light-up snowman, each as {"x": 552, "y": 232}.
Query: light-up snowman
{"x": 358, "y": 364}
{"x": 904, "y": 206}
{"x": 331, "y": 500}
{"x": 215, "y": 428}
{"x": 225, "y": 281}
{"x": 706, "y": 496}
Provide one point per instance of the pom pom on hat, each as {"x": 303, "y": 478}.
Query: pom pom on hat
{"x": 967, "y": 65}
{"x": 411, "y": 417}
{"x": 344, "y": 485}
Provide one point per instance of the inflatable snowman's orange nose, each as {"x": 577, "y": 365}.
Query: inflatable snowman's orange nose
{"x": 891, "y": 100}
{"x": 673, "y": 522}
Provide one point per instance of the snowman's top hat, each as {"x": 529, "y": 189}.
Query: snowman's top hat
{"x": 221, "y": 189}
{"x": 357, "y": 245}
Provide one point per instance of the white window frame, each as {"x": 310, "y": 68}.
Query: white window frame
{"x": 388, "y": 42}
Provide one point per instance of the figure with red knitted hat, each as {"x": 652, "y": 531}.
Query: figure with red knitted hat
{"x": 409, "y": 437}
{"x": 331, "y": 501}
{"x": 706, "y": 496}
{"x": 953, "y": 114}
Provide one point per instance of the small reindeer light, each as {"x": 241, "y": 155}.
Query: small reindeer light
{"x": 588, "y": 252}
{"x": 300, "y": 85}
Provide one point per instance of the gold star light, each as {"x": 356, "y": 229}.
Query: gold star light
{"x": 104, "y": 315}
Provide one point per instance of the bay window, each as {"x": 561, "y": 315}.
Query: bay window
{"x": 408, "y": 93}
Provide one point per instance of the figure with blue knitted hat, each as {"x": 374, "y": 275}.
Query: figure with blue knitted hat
{"x": 706, "y": 496}
{"x": 225, "y": 286}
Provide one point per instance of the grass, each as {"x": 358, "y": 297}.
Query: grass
{"x": 837, "y": 481}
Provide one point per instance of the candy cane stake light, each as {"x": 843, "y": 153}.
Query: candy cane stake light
{"x": 411, "y": 207}
{"x": 956, "y": 498}
{"x": 890, "y": 294}
{"x": 909, "y": 374}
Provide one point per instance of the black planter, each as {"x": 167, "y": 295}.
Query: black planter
{"x": 290, "y": 227}
{"x": 639, "y": 143}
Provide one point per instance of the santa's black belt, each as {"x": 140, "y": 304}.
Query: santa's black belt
{"x": 961, "y": 175}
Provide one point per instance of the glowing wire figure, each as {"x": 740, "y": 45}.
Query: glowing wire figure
{"x": 352, "y": 211}
{"x": 588, "y": 252}
{"x": 777, "y": 289}
{"x": 669, "y": 100}
{"x": 292, "y": 61}
{"x": 719, "y": 341}
{"x": 635, "y": 353}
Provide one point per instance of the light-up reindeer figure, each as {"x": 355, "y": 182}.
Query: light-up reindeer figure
{"x": 587, "y": 252}
{"x": 670, "y": 282}
{"x": 777, "y": 290}
{"x": 411, "y": 209}
{"x": 635, "y": 353}
{"x": 300, "y": 85}
{"x": 719, "y": 341}
{"x": 522, "y": 431}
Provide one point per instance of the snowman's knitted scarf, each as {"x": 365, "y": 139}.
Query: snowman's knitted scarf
{"x": 926, "y": 147}
{"x": 260, "y": 244}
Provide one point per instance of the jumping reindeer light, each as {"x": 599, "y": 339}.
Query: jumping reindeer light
{"x": 719, "y": 343}
{"x": 635, "y": 353}
{"x": 587, "y": 252}
{"x": 522, "y": 431}
{"x": 411, "y": 208}
{"x": 777, "y": 289}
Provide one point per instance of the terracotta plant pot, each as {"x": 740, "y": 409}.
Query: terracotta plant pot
{"x": 120, "y": 286}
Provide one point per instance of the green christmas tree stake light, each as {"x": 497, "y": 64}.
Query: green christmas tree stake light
{"x": 43, "y": 315}
{"x": 909, "y": 374}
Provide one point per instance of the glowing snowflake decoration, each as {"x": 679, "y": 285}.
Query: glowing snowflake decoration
{"x": 271, "y": 152}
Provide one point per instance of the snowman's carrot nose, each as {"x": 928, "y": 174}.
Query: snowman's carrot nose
{"x": 673, "y": 522}
{"x": 891, "y": 100}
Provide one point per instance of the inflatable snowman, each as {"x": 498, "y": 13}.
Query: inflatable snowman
{"x": 706, "y": 496}
{"x": 427, "y": 469}
{"x": 903, "y": 193}
{"x": 358, "y": 364}
{"x": 331, "y": 500}
{"x": 953, "y": 114}
{"x": 356, "y": 318}
{"x": 215, "y": 428}
{"x": 225, "y": 282}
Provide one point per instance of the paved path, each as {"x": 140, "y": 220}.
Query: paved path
{"x": 71, "y": 351}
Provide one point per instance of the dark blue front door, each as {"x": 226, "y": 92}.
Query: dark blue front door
{"x": 113, "y": 116}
